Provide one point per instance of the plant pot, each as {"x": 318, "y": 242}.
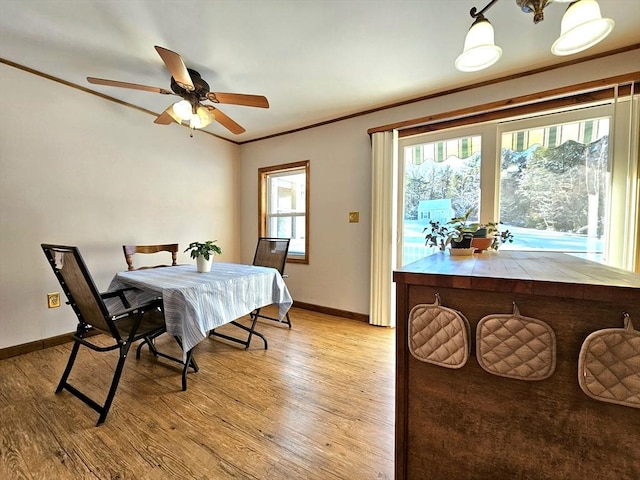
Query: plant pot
{"x": 203, "y": 264}
{"x": 481, "y": 233}
{"x": 464, "y": 243}
{"x": 457, "y": 252}
{"x": 481, "y": 244}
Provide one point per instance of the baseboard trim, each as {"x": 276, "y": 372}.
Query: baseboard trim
{"x": 29, "y": 347}
{"x": 361, "y": 317}
{"x": 33, "y": 346}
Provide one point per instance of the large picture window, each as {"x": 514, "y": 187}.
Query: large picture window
{"x": 553, "y": 184}
{"x": 558, "y": 181}
{"x": 284, "y": 206}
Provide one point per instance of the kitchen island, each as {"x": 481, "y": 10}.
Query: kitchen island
{"x": 466, "y": 423}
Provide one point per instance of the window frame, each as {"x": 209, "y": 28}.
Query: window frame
{"x": 263, "y": 176}
{"x": 623, "y": 158}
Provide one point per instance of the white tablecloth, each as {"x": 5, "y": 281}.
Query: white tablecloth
{"x": 195, "y": 303}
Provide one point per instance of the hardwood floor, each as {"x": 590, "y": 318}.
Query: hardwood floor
{"x": 317, "y": 405}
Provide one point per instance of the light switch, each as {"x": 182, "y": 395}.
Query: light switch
{"x": 354, "y": 217}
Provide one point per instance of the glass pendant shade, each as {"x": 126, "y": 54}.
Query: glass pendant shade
{"x": 582, "y": 27}
{"x": 174, "y": 115}
{"x": 183, "y": 109}
{"x": 480, "y": 50}
{"x": 205, "y": 116}
{"x": 194, "y": 121}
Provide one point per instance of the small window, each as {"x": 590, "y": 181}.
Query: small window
{"x": 284, "y": 206}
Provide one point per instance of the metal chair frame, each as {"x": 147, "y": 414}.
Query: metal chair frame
{"x": 276, "y": 257}
{"x": 267, "y": 256}
{"x": 126, "y": 326}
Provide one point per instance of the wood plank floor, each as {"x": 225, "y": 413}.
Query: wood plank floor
{"x": 318, "y": 405}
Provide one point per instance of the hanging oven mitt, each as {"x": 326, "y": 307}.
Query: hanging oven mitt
{"x": 516, "y": 347}
{"x": 439, "y": 335}
{"x": 609, "y": 365}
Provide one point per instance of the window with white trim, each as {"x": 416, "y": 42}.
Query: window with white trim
{"x": 559, "y": 181}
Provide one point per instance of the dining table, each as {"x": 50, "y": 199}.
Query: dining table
{"x": 195, "y": 303}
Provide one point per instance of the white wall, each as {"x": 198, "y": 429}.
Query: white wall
{"x": 77, "y": 169}
{"x": 80, "y": 170}
{"x": 340, "y": 153}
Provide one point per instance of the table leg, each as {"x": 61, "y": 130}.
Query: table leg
{"x": 190, "y": 362}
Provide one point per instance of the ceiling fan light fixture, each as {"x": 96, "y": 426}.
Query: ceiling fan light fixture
{"x": 182, "y": 109}
{"x": 582, "y": 27}
{"x": 173, "y": 115}
{"x": 480, "y": 50}
{"x": 205, "y": 116}
{"x": 194, "y": 122}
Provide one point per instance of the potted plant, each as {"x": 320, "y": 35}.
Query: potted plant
{"x": 483, "y": 237}
{"x": 500, "y": 237}
{"x": 461, "y": 234}
{"x": 457, "y": 232}
{"x": 203, "y": 253}
{"x": 489, "y": 236}
{"x": 462, "y": 230}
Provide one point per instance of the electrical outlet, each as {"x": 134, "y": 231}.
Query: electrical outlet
{"x": 354, "y": 217}
{"x": 53, "y": 300}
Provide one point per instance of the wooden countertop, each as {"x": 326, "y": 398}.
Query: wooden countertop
{"x": 538, "y": 273}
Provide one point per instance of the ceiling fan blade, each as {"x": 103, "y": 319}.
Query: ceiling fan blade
{"x": 225, "y": 121}
{"x": 239, "y": 99}
{"x": 166, "y": 117}
{"x": 176, "y": 67}
{"x": 134, "y": 86}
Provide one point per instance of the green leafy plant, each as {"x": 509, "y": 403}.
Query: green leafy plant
{"x": 440, "y": 235}
{"x": 461, "y": 226}
{"x": 501, "y": 237}
{"x": 206, "y": 250}
{"x": 455, "y": 230}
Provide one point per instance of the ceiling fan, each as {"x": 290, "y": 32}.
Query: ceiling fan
{"x": 189, "y": 85}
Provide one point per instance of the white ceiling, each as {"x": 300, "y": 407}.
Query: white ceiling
{"x": 315, "y": 60}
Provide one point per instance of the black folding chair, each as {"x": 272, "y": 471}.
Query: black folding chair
{"x": 270, "y": 252}
{"x": 126, "y": 326}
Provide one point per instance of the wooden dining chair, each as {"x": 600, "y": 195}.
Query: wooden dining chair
{"x": 130, "y": 250}
{"x": 124, "y": 326}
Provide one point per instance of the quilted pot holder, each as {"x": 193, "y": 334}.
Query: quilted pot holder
{"x": 609, "y": 365}
{"x": 439, "y": 335}
{"x": 516, "y": 347}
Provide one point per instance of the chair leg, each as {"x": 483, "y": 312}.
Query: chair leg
{"x": 124, "y": 350}
{"x": 251, "y": 331}
{"x": 67, "y": 370}
{"x": 256, "y": 314}
{"x": 150, "y": 341}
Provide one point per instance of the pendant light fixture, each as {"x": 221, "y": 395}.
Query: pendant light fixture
{"x": 480, "y": 50}
{"x": 582, "y": 26}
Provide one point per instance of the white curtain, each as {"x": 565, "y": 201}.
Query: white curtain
{"x": 384, "y": 162}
